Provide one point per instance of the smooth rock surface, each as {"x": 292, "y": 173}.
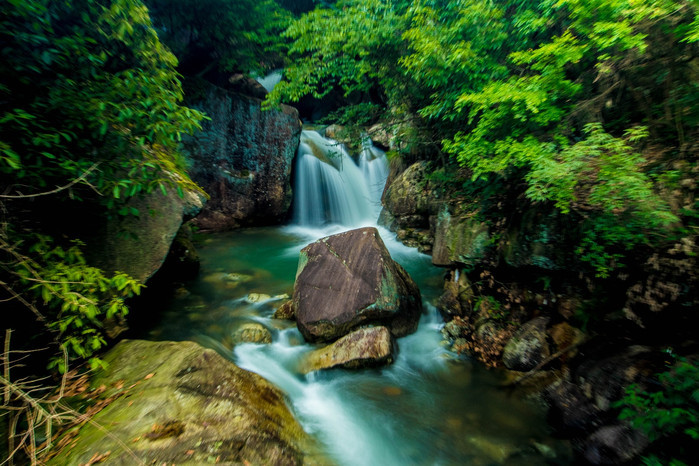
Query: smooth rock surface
{"x": 348, "y": 280}
{"x": 139, "y": 244}
{"x": 183, "y": 404}
{"x": 366, "y": 347}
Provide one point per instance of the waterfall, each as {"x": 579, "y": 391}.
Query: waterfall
{"x": 270, "y": 81}
{"x": 331, "y": 188}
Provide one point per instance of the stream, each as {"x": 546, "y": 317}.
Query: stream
{"x": 429, "y": 407}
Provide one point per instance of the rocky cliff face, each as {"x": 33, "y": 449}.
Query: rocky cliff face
{"x": 242, "y": 158}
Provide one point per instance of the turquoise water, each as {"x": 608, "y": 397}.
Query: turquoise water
{"x": 429, "y": 407}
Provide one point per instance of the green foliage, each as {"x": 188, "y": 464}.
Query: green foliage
{"x": 669, "y": 415}
{"x": 89, "y": 110}
{"x": 75, "y": 297}
{"x": 558, "y": 96}
{"x": 352, "y": 47}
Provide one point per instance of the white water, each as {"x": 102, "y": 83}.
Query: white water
{"x": 331, "y": 190}
{"x": 356, "y": 429}
{"x": 270, "y": 81}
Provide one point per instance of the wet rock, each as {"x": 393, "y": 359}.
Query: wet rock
{"x": 241, "y": 158}
{"x": 457, "y": 299}
{"x": 564, "y": 335}
{"x": 605, "y": 381}
{"x": 285, "y": 311}
{"x": 366, "y": 347}
{"x": 528, "y": 346}
{"x": 254, "y": 298}
{"x": 236, "y": 277}
{"x": 348, "y": 280}
{"x": 615, "y": 444}
{"x": 180, "y": 403}
{"x": 410, "y": 206}
{"x": 246, "y": 85}
{"x": 252, "y": 332}
{"x": 405, "y": 197}
{"x": 460, "y": 240}
{"x": 571, "y": 411}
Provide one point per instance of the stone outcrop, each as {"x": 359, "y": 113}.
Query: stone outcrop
{"x": 528, "y": 346}
{"x": 366, "y": 347}
{"x": 179, "y": 403}
{"x": 252, "y": 332}
{"x": 242, "y": 158}
{"x": 459, "y": 240}
{"x": 139, "y": 244}
{"x": 410, "y": 207}
{"x": 348, "y": 280}
{"x": 285, "y": 311}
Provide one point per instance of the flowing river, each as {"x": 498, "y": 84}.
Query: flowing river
{"x": 430, "y": 407}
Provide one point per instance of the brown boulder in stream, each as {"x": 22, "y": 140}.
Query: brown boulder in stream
{"x": 366, "y": 347}
{"x": 349, "y": 280}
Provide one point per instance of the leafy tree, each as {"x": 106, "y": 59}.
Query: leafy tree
{"x": 353, "y": 47}
{"x": 88, "y": 111}
{"x": 558, "y": 96}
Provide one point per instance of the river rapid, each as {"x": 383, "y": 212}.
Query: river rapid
{"x": 430, "y": 407}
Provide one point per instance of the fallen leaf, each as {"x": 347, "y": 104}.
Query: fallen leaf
{"x": 189, "y": 452}
{"x": 149, "y": 376}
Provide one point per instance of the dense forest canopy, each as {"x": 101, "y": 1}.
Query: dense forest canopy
{"x": 588, "y": 106}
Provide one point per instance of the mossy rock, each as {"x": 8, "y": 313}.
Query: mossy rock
{"x": 178, "y": 403}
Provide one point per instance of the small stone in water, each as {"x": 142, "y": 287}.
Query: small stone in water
{"x": 252, "y": 332}
{"x": 236, "y": 277}
{"x": 253, "y": 298}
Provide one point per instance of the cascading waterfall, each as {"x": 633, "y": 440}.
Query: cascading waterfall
{"x": 331, "y": 188}
{"x": 419, "y": 410}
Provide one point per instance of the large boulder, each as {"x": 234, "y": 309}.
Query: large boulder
{"x": 139, "y": 244}
{"x": 410, "y": 207}
{"x": 348, "y": 280}
{"x": 407, "y": 198}
{"x": 366, "y": 347}
{"x": 176, "y": 403}
{"x": 242, "y": 158}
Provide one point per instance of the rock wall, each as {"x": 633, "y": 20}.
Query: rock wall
{"x": 242, "y": 157}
